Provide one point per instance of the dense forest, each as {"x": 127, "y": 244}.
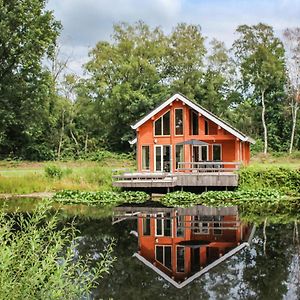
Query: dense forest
{"x": 47, "y": 113}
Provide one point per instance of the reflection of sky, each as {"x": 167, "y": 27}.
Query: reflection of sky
{"x": 86, "y": 22}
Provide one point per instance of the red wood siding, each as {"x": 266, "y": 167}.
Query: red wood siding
{"x": 232, "y": 148}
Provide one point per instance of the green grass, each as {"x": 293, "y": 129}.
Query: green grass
{"x": 27, "y": 177}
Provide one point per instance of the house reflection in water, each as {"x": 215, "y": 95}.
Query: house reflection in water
{"x": 181, "y": 244}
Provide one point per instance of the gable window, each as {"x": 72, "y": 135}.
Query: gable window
{"x": 162, "y": 125}
{"x": 194, "y": 129}
{"x": 206, "y": 131}
{"x": 163, "y": 255}
{"x": 145, "y": 158}
{"x": 146, "y": 225}
{"x": 178, "y": 121}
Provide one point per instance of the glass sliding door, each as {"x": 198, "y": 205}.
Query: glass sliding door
{"x": 179, "y": 155}
{"x": 200, "y": 153}
{"x": 162, "y": 158}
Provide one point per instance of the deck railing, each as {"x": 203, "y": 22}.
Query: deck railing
{"x": 208, "y": 166}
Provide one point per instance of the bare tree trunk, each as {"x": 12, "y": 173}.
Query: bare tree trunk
{"x": 265, "y": 236}
{"x": 86, "y": 144}
{"x": 263, "y": 112}
{"x": 75, "y": 140}
{"x": 295, "y": 108}
{"x": 61, "y": 134}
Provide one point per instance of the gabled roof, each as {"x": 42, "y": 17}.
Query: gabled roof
{"x": 200, "y": 110}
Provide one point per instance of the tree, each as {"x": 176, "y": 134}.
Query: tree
{"x": 261, "y": 59}
{"x": 184, "y": 66}
{"x": 27, "y": 34}
{"x": 217, "y": 92}
{"x": 292, "y": 44}
{"x": 135, "y": 72}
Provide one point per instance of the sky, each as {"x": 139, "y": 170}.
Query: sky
{"x": 85, "y": 22}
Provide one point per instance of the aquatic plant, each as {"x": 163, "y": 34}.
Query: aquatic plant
{"x": 106, "y": 198}
{"x": 258, "y": 201}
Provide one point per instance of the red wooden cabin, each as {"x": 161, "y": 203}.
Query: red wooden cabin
{"x": 180, "y": 135}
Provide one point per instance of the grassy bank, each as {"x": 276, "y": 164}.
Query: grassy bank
{"x": 29, "y": 177}
{"x": 95, "y": 174}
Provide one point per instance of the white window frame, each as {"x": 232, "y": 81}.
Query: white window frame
{"x": 162, "y": 125}
{"x": 163, "y": 225}
{"x": 176, "y": 157}
{"x": 175, "y": 122}
{"x": 163, "y": 263}
{"x": 162, "y": 158}
{"x": 142, "y": 157}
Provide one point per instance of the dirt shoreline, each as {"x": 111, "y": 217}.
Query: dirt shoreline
{"x": 40, "y": 195}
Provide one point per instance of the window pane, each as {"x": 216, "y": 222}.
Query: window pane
{"x": 194, "y": 123}
{"x": 166, "y": 158}
{"x": 178, "y": 121}
{"x": 145, "y": 157}
{"x": 158, "y": 158}
{"x": 206, "y": 127}
{"x": 146, "y": 225}
{"x": 216, "y": 224}
{"x": 180, "y": 259}
{"x": 168, "y": 257}
{"x": 168, "y": 225}
{"x": 159, "y": 223}
{"x": 216, "y": 152}
{"x": 179, "y": 154}
{"x": 159, "y": 254}
{"x": 204, "y": 153}
{"x": 157, "y": 124}
{"x": 180, "y": 226}
{"x": 166, "y": 124}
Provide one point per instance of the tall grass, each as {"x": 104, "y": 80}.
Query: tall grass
{"x": 55, "y": 177}
{"x": 39, "y": 259}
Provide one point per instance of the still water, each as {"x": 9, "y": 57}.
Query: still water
{"x": 194, "y": 253}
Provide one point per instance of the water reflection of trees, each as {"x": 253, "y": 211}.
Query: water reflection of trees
{"x": 248, "y": 275}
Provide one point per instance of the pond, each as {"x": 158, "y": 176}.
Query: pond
{"x": 191, "y": 253}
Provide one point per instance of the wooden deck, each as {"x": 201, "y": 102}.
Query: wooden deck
{"x": 200, "y": 174}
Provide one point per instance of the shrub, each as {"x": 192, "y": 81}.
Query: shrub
{"x": 284, "y": 179}
{"x": 54, "y": 171}
{"x": 39, "y": 259}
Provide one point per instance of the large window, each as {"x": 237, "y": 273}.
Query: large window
{"x": 179, "y": 121}
{"x": 145, "y": 157}
{"x": 217, "y": 224}
{"x": 180, "y": 259}
{"x": 206, "y": 127}
{"x": 217, "y": 152}
{"x": 163, "y": 255}
{"x": 146, "y": 225}
{"x": 163, "y": 224}
{"x": 180, "y": 226}
{"x": 179, "y": 155}
{"x": 162, "y": 125}
{"x": 194, "y": 128}
{"x": 162, "y": 158}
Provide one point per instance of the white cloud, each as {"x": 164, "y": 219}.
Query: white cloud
{"x": 88, "y": 21}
